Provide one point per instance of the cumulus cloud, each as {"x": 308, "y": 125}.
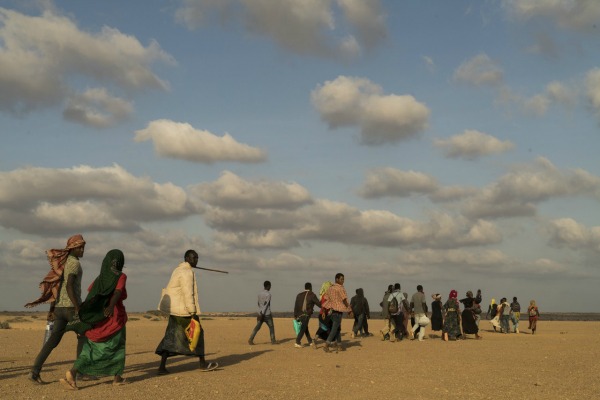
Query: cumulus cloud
{"x": 472, "y": 144}
{"x": 367, "y": 18}
{"x": 95, "y": 107}
{"x": 37, "y": 53}
{"x": 183, "y": 141}
{"x": 309, "y": 27}
{"x": 350, "y": 101}
{"x": 231, "y": 191}
{"x": 517, "y": 193}
{"x": 266, "y": 214}
{"x": 339, "y": 222}
{"x": 396, "y": 183}
{"x": 46, "y": 200}
{"x": 593, "y": 89}
{"x": 429, "y": 63}
{"x": 566, "y": 232}
{"x": 555, "y": 93}
{"x": 479, "y": 70}
{"x": 579, "y": 15}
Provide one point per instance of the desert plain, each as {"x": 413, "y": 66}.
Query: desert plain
{"x": 561, "y": 361}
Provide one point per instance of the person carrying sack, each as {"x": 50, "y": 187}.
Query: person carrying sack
{"x": 180, "y": 300}
{"x": 303, "y": 309}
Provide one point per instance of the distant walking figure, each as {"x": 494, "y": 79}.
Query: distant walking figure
{"x": 303, "y": 309}
{"x": 337, "y": 304}
{"x": 264, "y": 314}
{"x": 534, "y": 314}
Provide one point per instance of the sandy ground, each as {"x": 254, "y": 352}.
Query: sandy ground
{"x": 559, "y": 362}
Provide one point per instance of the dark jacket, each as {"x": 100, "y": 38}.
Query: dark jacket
{"x": 359, "y": 304}
{"x": 311, "y": 301}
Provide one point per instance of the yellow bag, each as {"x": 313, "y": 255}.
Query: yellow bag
{"x": 192, "y": 332}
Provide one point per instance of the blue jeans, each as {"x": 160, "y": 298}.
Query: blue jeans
{"x": 504, "y": 323}
{"x": 515, "y": 320}
{"x": 268, "y": 319}
{"x": 62, "y": 316}
{"x": 334, "y": 333}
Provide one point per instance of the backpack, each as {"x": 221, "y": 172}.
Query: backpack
{"x": 393, "y": 305}
{"x": 533, "y": 312}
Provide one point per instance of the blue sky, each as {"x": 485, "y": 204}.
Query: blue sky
{"x": 448, "y": 144}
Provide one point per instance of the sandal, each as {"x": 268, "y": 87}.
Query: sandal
{"x": 210, "y": 367}
{"x": 36, "y": 378}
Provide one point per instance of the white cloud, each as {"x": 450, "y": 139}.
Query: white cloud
{"x": 367, "y": 18}
{"x": 194, "y": 13}
{"x": 393, "y": 182}
{"x": 36, "y": 200}
{"x": 349, "y": 101}
{"x": 96, "y": 108}
{"x": 231, "y": 191}
{"x": 429, "y": 63}
{"x": 472, "y": 144}
{"x": 451, "y": 193}
{"x": 568, "y": 232}
{"x": 592, "y": 82}
{"x": 339, "y": 222}
{"x": 182, "y": 141}
{"x": 518, "y": 192}
{"x": 37, "y": 53}
{"x": 309, "y": 27}
{"x": 479, "y": 70}
{"x": 580, "y": 15}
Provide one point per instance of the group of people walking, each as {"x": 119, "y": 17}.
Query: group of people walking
{"x": 504, "y": 313}
{"x": 100, "y": 320}
{"x": 397, "y": 312}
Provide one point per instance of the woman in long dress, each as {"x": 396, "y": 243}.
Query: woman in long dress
{"x": 102, "y": 319}
{"x": 437, "y": 319}
{"x": 469, "y": 323}
{"x": 534, "y": 314}
{"x": 452, "y": 317}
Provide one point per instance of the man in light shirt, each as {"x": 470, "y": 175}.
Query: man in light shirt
{"x": 264, "y": 314}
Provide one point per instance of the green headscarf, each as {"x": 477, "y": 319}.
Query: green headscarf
{"x": 91, "y": 310}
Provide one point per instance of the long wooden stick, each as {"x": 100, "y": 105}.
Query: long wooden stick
{"x": 213, "y": 270}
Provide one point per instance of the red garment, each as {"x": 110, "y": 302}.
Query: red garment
{"x": 57, "y": 259}
{"x": 105, "y": 329}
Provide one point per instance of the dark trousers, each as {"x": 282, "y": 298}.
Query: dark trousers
{"x": 304, "y": 329}
{"x": 399, "y": 326}
{"x": 268, "y": 319}
{"x": 62, "y": 316}
{"x": 335, "y": 332}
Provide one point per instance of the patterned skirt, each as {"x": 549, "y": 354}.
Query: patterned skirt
{"x": 175, "y": 343}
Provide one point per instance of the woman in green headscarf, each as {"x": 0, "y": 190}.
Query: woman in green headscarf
{"x": 102, "y": 319}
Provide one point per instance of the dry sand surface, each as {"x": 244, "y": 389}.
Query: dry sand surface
{"x": 559, "y": 362}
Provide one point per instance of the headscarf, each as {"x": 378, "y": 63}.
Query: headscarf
{"x": 324, "y": 287}
{"x": 493, "y": 302}
{"x": 436, "y": 296}
{"x": 453, "y": 294}
{"x": 57, "y": 259}
{"x": 91, "y": 310}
